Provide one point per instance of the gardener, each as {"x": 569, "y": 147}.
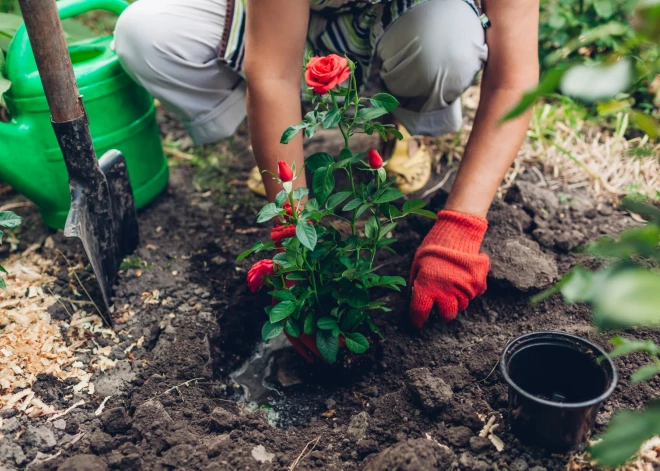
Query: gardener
{"x": 430, "y": 51}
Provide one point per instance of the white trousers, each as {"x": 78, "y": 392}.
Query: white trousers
{"x": 429, "y": 56}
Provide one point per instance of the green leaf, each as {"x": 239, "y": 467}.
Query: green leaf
{"x": 647, "y": 20}
{"x": 391, "y": 282}
{"x": 604, "y": 8}
{"x": 318, "y": 160}
{"x": 306, "y": 234}
{"x": 425, "y": 213}
{"x": 647, "y": 211}
{"x": 411, "y": 205}
{"x": 323, "y": 183}
{"x": 345, "y": 155}
{"x": 328, "y": 345}
{"x": 282, "y": 295}
{"x": 310, "y": 325}
{"x": 367, "y": 114}
{"x": 300, "y": 193}
{"x": 374, "y": 328}
{"x": 577, "y": 285}
{"x": 268, "y": 212}
{"x": 382, "y": 174}
{"x": 357, "y": 297}
{"x": 624, "y": 346}
{"x": 356, "y": 342}
{"x": 361, "y": 210}
{"x": 645, "y": 373}
{"x": 371, "y": 227}
{"x": 292, "y": 327}
{"x": 270, "y": 330}
{"x": 628, "y": 297}
{"x": 296, "y": 276}
{"x": 9, "y": 220}
{"x": 391, "y": 211}
{"x": 3, "y": 285}
{"x": 290, "y": 133}
{"x": 281, "y": 198}
{"x": 646, "y": 123}
{"x": 331, "y": 118}
{"x": 612, "y": 79}
{"x": 384, "y": 100}
{"x": 548, "y": 85}
{"x": 395, "y": 132}
{"x": 311, "y": 130}
{"x": 249, "y": 251}
{"x": 312, "y": 205}
{"x": 2, "y": 269}
{"x": 354, "y": 203}
{"x": 353, "y": 319}
{"x": 336, "y": 199}
{"x": 326, "y": 323}
{"x": 386, "y": 229}
{"x": 626, "y": 433}
{"x": 281, "y": 311}
{"x": 388, "y": 195}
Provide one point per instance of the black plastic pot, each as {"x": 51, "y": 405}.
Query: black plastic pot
{"x": 556, "y": 386}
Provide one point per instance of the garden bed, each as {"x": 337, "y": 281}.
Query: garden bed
{"x": 186, "y": 320}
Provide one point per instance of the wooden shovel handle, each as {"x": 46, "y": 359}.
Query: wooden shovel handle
{"x": 42, "y": 22}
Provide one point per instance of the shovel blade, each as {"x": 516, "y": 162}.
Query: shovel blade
{"x": 102, "y": 213}
{"x": 104, "y": 218}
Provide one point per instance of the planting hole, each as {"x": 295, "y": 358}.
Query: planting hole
{"x": 253, "y": 375}
{"x": 276, "y": 378}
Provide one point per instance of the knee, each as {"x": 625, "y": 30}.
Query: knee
{"x": 444, "y": 46}
{"x": 136, "y": 39}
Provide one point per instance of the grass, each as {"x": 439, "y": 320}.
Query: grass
{"x": 214, "y": 169}
{"x": 573, "y": 149}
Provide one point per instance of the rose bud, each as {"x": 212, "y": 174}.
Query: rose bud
{"x": 375, "y": 160}
{"x": 259, "y": 270}
{"x": 325, "y": 73}
{"x": 284, "y": 172}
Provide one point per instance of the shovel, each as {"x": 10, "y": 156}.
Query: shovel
{"x": 102, "y": 213}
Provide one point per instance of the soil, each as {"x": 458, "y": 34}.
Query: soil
{"x": 419, "y": 403}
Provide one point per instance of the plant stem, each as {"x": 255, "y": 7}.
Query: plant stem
{"x": 350, "y": 166}
{"x": 311, "y": 270}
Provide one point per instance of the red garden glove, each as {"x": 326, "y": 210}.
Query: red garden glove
{"x": 448, "y": 269}
{"x": 283, "y": 229}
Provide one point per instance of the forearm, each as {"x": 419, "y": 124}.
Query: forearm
{"x": 272, "y": 106}
{"x": 491, "y": 149}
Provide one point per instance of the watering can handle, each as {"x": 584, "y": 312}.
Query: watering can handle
{"x": 71, "y": 8}
{"x": 44, "y": 28}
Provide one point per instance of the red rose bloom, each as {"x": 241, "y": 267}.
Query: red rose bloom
{"x": 284, "y": 172}
{"x": 375, "y": 160}
{"x": 325, "y": 73}
{"x": 255, "y": 277}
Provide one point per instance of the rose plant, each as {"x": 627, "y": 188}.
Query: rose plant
{"x": 323, "y": 276}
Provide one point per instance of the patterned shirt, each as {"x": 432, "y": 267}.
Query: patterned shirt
{"x": 344, "y": 27}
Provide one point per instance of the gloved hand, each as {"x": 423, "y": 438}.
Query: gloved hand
{"x": 448, "y": 269}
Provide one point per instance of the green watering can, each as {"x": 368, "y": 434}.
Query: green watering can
{"x": 121, "y": 114}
